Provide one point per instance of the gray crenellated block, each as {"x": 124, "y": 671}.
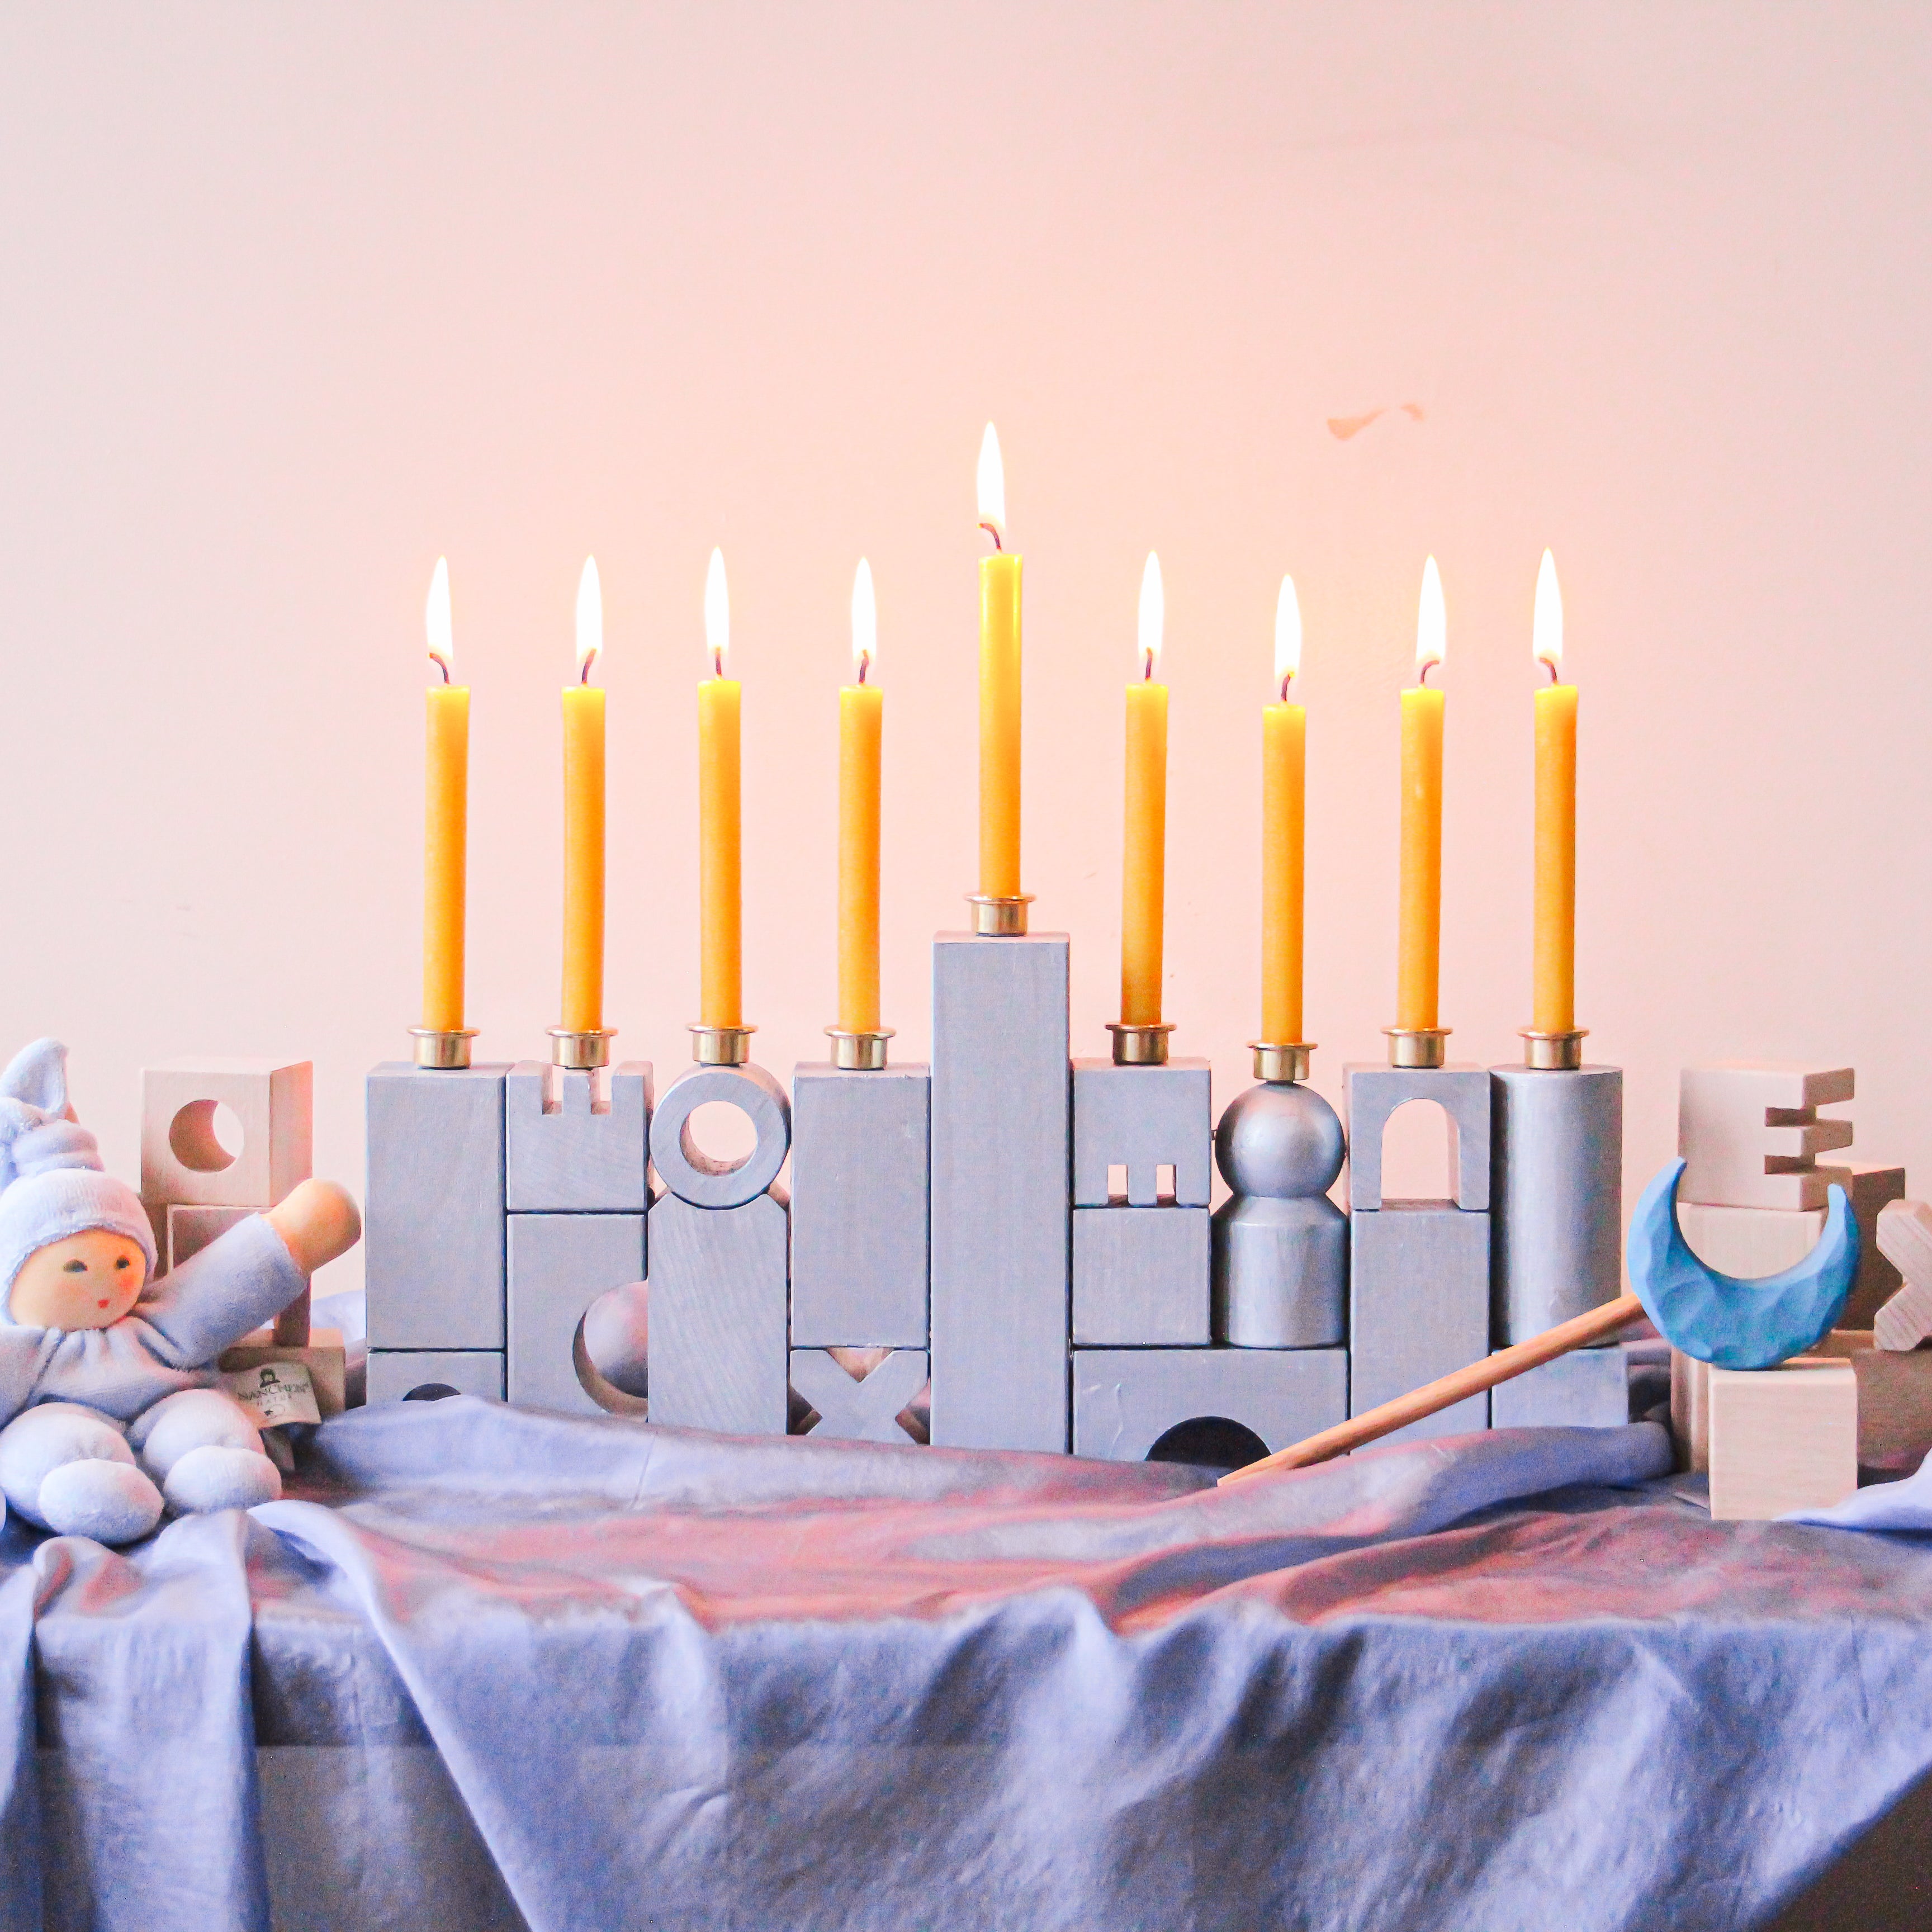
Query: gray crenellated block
{"x": 717, "y": 1347}
{"x": 1557, "y": 1206}
{"x": 433, "y": 1211}
{"x": 1374, "y": 1093}
{"x": 861, "y": 1411}
{"x": 393, "y": 1372}
{"x": 1280, "y": 1276}
{"x": 1126, "y": 1399}
{"x": 1418, "y": 1308}
{"x": 1141, "y": 1118}
{"x": 559, "y": 1264}
{"x": 1588, "y": 1388}
{"x": 860, "y": 1176}
{"x": 692, "y": 1175}
{"x": 580, "y": 1158}
{"x": 1140, "y": 1277}
{"x": 1000, "y": 1159}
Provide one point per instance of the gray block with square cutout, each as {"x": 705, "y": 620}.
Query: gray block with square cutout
{"x": 1588, "y": 1388}
{"x": 865, "y": 1409}
{"x": 587, "y": 1156}
{"x": 1126, "y": 1399}
{"x": 393, "y": 1372}
{"x": 1418, "y": 1308}
{"x": 433, "y": 1209}
{"x": 1374, "y": 1093}
{"x": 559, "y": 1264}
{"x": 1140, "y": 1277}
{"x": 860, "y": 1178}
{"x": 1142, "y": 1118}
{"x": 1000, "y": 1182}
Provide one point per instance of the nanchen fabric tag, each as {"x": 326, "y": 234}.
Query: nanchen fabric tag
{"x": 274, "y": 1392}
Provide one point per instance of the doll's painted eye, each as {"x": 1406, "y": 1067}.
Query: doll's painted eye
{"x": 121, "y": 1260}
{"x": 75, "y": 1267}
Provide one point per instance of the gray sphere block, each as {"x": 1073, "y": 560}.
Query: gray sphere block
{"x": 1140, "y": 1276}
{"x": 1280, "y": 1140}
{"x": 559, "y": 1264}
{"x": 393, "y": 1372}
{"x": 576, "y": 1160}
{"x": 694, "y": 1177}
{"x": 1372, "y": 1094}
{"x": 1141, "y": 1118}
{"x": 1588, "y": 1388}
{"x": 862, "y": 1411}
{"x": 1280, "y": 1272}
{"x": 1126, "y": 1399}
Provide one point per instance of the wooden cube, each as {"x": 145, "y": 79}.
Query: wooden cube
{"x": 182, "y": 1160}
{"x": 1750, "y": 1134}
{"x": 324, "y": 1358}
{"x": 1783, "y": 1438}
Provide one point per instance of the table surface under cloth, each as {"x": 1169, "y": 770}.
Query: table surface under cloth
{"x": 487, "y": 1668}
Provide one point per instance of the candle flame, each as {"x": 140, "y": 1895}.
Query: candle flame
{"x": 717, "y": 614}
{"x": 1547, "y": 636}
{"x": 590, "y": 620}
{"x": 1432, "y": 623}
{"x": 864, "y": 623}
{"x": 1287, "y": 637}
{"x": 1153, "y": 615}
{"x": 435, "y": 621}
{"x": 992, "y": 488}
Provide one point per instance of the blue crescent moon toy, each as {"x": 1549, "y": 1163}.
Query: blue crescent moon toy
{"x": 1721, "y": 1318}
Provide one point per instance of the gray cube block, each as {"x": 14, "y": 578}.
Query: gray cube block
{"x": 693, "y": 1175}
{"x": 1588, "y": 1388}
{"x": 1126, "y": 1399}
{"x": 433, "y": 1209}
{"x": 576, "y": 1160}
{"x": 393, "y": 1372}
{"x": 1140, "y": 1277}
{"x": 861, "y": 1411}
{"x": 559, "y": 1264}
{"x": 1142, "y": 1118}
{"x": 1418, "y": 1307}
{"x": 1000, "y": 1160}
{"x": 860, "y": 1178}
{"x": 717, "y": 1350}
{"x": 1280, "y": 1272}
{"x": 1372, "y": 1094}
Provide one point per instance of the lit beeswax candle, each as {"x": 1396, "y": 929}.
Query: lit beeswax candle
{"x": 584, "y": 819}
{"x": 1555, "y": 959}
{"x": 721, "y": 1002}
{"x": 1419, "y": 927}
{"x": 1144, "y": 868}
{"x": 999, "y": 687}
{"x": 1283, "y": 794}
{"x": 446, "y": 820}
{"x": 861, "y": 713}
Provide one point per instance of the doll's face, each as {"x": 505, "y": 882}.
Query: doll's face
{"x": 89, "y": 1280}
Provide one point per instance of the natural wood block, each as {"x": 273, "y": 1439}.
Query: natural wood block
{"x": 182, "y": 1160}
{"x": 1905, "y": 1238}
{"x": 324, "y": 1358}
{"x": 1870, "y": 1190}
{"x": 1750, "y": 1134}
{"x": 1690, "y": 1411}
{"x": 1749, "y": 1242}
{"x": 1783, "y": 1438}
{"x": 191, "y": 1229}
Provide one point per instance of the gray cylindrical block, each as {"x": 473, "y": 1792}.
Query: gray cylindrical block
{"x": 1557, "y": 1249}
{"x": 1281, "y": 1273}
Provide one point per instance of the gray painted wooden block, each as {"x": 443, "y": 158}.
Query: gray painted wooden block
{"x": 860, "y": 1178}
{"x": 1140, "y": 1277}
{"x": 393, "y": 1372}
{"x": 860, "y": 1411}
{"x": 1126, "y": 1399}
{"x": 691, "y": 1174}
{"x": 1588, "y": 1388}
{"x": 578, "y": 1159}
{"x": 433, "y": 1211}
{"x": 1142, "y": 1118}
{"x": 559, "y": 1264}
{"x": 717, "y": 1347}
{"x": 1372, "y": 1094}
{"x": 1000, "y": 1159}
{"x": 1280, "y": 1272}
{"x": 1418, "y": 1307}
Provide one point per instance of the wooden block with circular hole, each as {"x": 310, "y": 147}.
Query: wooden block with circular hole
{"x": 183, "y": 1156}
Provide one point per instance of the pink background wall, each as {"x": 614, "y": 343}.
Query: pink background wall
{"x": 294, "y": 302}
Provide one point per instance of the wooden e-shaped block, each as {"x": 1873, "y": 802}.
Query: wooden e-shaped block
{"x": 1783, "y": 1438}
{"x": 1750, "y": 1134}
{"x": 576, "y": 1142}
{"x": 1141, "y": 1277}
{"x": 1126, "y": 1399}
{"x": 863, "y": 1408}
{"x": 1142, "y": 1119}
{"x": 182, "y": 1158}
{"x": 559, "y": 1265}
{"x": 1419, "y": 1307}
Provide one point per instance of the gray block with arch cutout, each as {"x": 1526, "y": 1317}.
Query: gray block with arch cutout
{"x": 1140, "y": 1277}
{"x": 1374, "y": 1093}
{"x": 1142, "y": 1118}
{"x": 692, "y": 1175}
{"x": 393, "y": 1372}
{"x": 1418, "y": 1308}
{"x": 587, "y": 1153}
{"x": 559, "y": 1265}
{"x": 1126, "y": 1399}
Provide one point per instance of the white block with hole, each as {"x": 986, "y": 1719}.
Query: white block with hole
{"x": 269, "y": 1108}
{"x": 558, "y": 1265}
{"x": 1750, "y": 1134}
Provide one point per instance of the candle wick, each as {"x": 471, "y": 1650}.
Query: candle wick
{"x": 443, "y": 665}
{"x": 1147, "y": 667}
{"x": 992, "y": 529}
{"x": 1422, "y": 676}
{"x": 1555, "y": 676}
{"x": 717, "y": 662}
{"x": 865, "y": 664}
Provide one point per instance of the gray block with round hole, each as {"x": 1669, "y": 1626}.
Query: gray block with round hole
{"x": 1000, "y": 1183}
{"x": 1140, "y": 1277}
{"x": 1418, "y": 1308}
{"x": 865, "y": 1409}
{"x": 717, "y": 1345}
{"x": 433, "y": 1208}
{"x": 692, "y": 1175}
{"x": 393, "y": 1372}
{"x": 585, "y": 1155}
{"x": 1126, "y": 1399}
{"x": 1588, "y": 1388}
{"x": 1280, "y": 1272}
{"x": 559, "y": 1264}
{"x": 1374, "y": 1093}
{"x": 1142, "y": 1118}
{"x": 860, "y": 1179}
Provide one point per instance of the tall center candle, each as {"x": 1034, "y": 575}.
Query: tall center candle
{"x": 1555, "y": 932}
{"x": 584, "y": 819}
{"x": 999, "y": 689}
{"x": 1419, "y": 930}
{"x": 446, "y": 820}
{"x": 861, "y": 714}
{"x": 1283, "y": 811}
{"x": 721, "y": 993}
{"x": 1144, "y": 862}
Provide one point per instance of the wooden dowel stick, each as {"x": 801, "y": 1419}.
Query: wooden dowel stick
{"x": 1502, "y": 1367}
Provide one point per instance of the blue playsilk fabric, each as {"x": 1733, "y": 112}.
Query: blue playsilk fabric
{"x": 487, "y": 1668}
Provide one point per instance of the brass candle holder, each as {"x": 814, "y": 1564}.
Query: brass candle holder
{"x": 858, "y": 1052}
{"x": 1553, "y": 1052}
{"x": 445, "y": 1050}
{"x": 720, "y": 1045}
{"x": 1281, "y": 1062}
{"x": 582, "y": 1049}
{"x": 1417, "y": 1046}
{"x": 995, "y": 917}
{"x": 1138, "y": 1046}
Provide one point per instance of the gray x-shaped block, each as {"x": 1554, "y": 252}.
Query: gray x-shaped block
{"x": 858, "y": 1411}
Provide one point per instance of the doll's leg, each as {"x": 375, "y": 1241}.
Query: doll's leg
{"x": 70, "y": 1470}
{"x": 203, "y": 1448}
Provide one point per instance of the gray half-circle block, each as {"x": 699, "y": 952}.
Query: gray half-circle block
{"x": 692, "y": 1176}
{"x": 1279, "y": 1141}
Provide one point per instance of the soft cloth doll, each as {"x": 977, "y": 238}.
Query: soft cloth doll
{"x": 107, "y": 1385}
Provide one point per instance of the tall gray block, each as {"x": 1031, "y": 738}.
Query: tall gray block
{"x": 1126, "y": 1399}
{"x": 1588, "y": 1388}
{"x": 393, "y": 1372}
{"x": 559, "y": 1264}
{"x": 1558, "y": 1208}
{"x": 1418, "y": 1307}
{"x": 691, "y": 1174}
{"x": 717, "y": 1344}
{"x": 1140, "y": 1277}
{"x": 433, "y": 1209}
{"x": 1280, "y": 1272}
{"x": 1374, "y": 1093}
{"x": 999, "y": 1192}
{"x": 866, "y": 1410}
{"x": 860, "y": 1174}
{"x": 1142, "y": 1118}
{"x": 578, "y": 1160}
